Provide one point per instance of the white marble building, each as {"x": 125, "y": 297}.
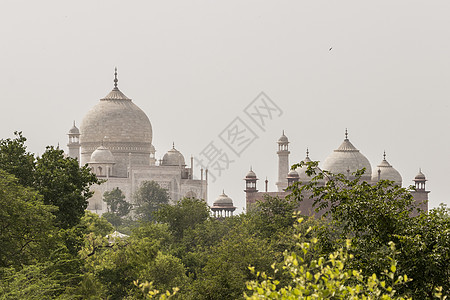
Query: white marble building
{"x": 115, "y": 140}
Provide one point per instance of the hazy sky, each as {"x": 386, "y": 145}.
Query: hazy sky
{"x": 194, "y": 66}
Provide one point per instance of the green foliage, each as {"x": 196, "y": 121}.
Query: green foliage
{"x": 166, "y": 271}
{"x": 150, "y": 292}
{"x": 374, "y": 215}
{"x": 115, "y": 200}
{"x": 26, "y": 224}
{"x": 114, "y": 267}
{"x": 30, "y": 282}
{"x": 186, "y": 213}
{"x": 64, "y": 184}
{"x": 273, "y": 215}
{"x": 149, "y": 198}
{"x": 16, "y": 160}
{"x": 117, "y": 207}
{"x": 326, "y": 277}
{"x": 96, "y": 224}
{"x": 425, "y": 252}
{"x": 226, "y": 269}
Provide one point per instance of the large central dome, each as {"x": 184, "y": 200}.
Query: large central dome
{"x": 347, "y": 160}
{"x": 120, "y": 125}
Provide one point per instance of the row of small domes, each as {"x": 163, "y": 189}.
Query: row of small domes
{"x": 103, "y": 155}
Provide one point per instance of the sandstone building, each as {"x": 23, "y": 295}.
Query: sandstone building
{"x": 346, "y": 159}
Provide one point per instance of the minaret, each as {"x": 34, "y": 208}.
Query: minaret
{"x": 74, "y": 142}
{"x": 420, "y": 194}
{"x": 250, "y": 189}
{"x": 283, "y": 162}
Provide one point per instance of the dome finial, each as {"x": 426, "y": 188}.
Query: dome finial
{"x": 307, "y": 152}
{"x": 384, "y": 155}
{"x": 346, "y": 134}
{"x": 115, "y": 78}
{"x": 173, "y": 145}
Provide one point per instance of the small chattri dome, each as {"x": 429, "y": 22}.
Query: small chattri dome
{"x": 250, "y": 174}
{"x": 74, "y": 129}
{"x": 223, "y": 200}
{"x": 173, "y": 157}
{"x": 283, "y": 139}
{"x": 420, "y": 176}
{"x": 102, "y": 155}
{"x": 293, "y": 174}
{"x": 385, "y": 171}
{"x": 302, "y": 170}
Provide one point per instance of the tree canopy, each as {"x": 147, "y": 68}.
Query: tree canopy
{"x": 368, "y": 246}
{"x": 149, "y": 198}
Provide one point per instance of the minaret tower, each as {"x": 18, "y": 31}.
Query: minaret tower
{"x": 420, "y": 194}
{"x": 74, "y": 142}
{"x": 283, "y": 162}
{"x": 250, "y": 189}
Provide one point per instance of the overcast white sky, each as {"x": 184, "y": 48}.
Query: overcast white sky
{"x": 193, "y": 67}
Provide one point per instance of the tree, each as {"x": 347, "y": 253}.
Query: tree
{"x": 26, "y": 224}
{"x": 373, "y": 215}
{"x": 64, "y": 184}
{"x": 149, "y": 198}
{"x": 326, "y": 278}
{"x": 273, "y": 214}
{"x": 33, "y": 282}
{"x": 186, "y": 213}
{"x": 115, "y": 199}
{"x": 96, "y": 224}
{"x": 226, "y": 269}
{"x": 117, "y": 207}
{"x": 16, "y": 160}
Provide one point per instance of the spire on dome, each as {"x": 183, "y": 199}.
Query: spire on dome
{"x": 173, "y": 145}
{"x": 384, "y": 155}
{"x": 346, "y": 134}
{"x": 307, "y": 152}
{"x": 115, "y": 94}
{"x": 115, "y": 78}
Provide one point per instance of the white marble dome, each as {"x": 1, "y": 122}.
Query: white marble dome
{"x": 116, "y": 122}
{"x": 346, "y": 160}
{"x": 173, "y": 157}
{"x": 102, "y": 155}
{"x": 385, "y": 171}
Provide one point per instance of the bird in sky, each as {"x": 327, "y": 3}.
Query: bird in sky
{"x": 330, "y": 48}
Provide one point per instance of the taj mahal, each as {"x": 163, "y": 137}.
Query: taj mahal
{"x": 115, "y": 140}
